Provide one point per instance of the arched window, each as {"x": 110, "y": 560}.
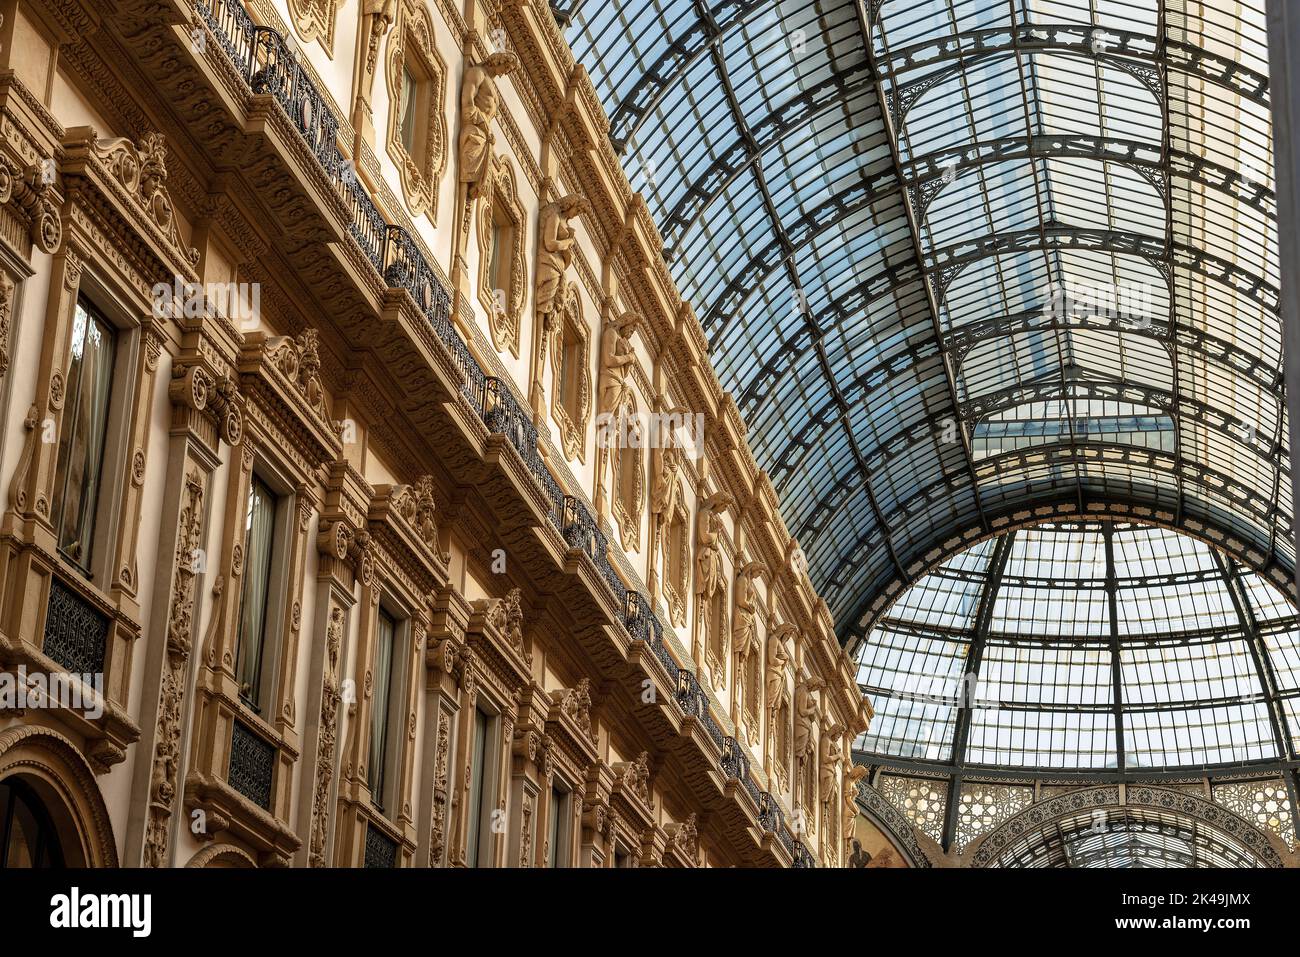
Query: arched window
{"x": 27, "y": 835}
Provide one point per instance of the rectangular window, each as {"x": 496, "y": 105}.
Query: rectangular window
{"x": 557, "y": 849}
{"x": 82, "y": 438}
{"x": 382, "y": 707}
{"x": 259, "y": 543}
{"x": 481, "y": 786}
{"x": 499, "y": 282}
{"x": 410, "y": 109}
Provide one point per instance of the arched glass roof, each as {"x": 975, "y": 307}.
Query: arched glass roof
{"x": 1132, "y": 838}
{"x": 957, "y": 257}
{"x": 1083, "y": 648}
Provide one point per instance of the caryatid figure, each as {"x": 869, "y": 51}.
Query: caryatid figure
{"x": 479, "y": 103}
{"x": 555, "y": 253}
{"x": 776, "y": 662}
{"x": 806, "y": 717}
{"x": 616, "y": 358}
{"x": 708, "y": 556}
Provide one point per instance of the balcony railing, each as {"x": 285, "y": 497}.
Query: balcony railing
{"x": 252, "y": 765}
{"x": 76, "y": 634}
{"x": 268, "y": 64}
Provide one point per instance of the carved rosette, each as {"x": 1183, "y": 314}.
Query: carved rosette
{"x": 218, "y": 399}
{"x": 180, "y": 625}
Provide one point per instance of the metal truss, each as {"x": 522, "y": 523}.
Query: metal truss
{"x": 1141, "y": 55}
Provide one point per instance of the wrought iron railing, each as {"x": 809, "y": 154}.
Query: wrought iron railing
{"x": 381, "y": 850}
{"x": 269, "y": 65}
{"x": 802, "y": 856}
{"x": 252, "y": 765}
{"x": 76, "y": 633}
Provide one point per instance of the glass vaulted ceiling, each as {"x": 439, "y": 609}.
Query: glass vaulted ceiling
{"x": 1085, "y": 648}
{"x": 875, "y": 209}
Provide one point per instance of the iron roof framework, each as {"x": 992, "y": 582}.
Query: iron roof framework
{"x": 1086, "y": 652}
{"x": 875, "y": 207}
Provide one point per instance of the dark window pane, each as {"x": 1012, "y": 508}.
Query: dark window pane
{"x": 383, "y": 680}
{"x": 259, "y": 540}
{"x": 81, "y": 438}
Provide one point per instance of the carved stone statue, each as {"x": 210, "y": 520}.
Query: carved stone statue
{"x": 416, "y": 504}
{"x": 555, "y": 252}
{"x": 744, "y": 637}
{"x": 806, "y": 717}
{"x": 708, "y": 556}
{"x": 829, "y": 756}
{"x": 615, "y": 359}
{"x": 666, "y": 462}
{"x": 507, "y": 614}
{"x": 777, "y": 658}
{"x": 479, "y": 103}
{"x": 854, "y": 774}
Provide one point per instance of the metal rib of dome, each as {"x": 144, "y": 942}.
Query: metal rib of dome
{"x": 874, "y": 207}
{"x": 1085, "y": 648}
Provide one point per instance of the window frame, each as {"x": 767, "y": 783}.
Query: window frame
{"x": 272, "y": 638}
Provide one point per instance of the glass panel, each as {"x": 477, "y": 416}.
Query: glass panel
{"x": 410, "y": 118}
{"x": 381, "y": 707}
{"x": 81, "y": 442}
{"x": 477, "y": 788}
{"x": 259, "y": 539}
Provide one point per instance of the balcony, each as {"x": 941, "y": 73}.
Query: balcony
{"x": 268, "y": 65}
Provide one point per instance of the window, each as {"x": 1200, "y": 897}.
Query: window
{"x": 259, "y": 542}
{"x": 557, "y": 846}
{"x": 570, "y": 362}
{"x": 85, "y": 423}
{"x": 382, "y": 707}
{"x": 27, "y": 835}
{"x": 502, "y": 255}
{"x": 416, "y": 79}
{"x": 571, "y": 378}
{"x": 412, "y": 95}
{"x": 478, "y": 851}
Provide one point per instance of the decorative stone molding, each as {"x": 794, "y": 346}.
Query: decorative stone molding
{"x": 327, "y": 736}
{"x": 298, "y": 360}
{"x": 217, "y": 399}
{"x": 412, "y": 46}
{"x": 314, "y": 20}
{"x": 633, "y": 778}
{"x": 179, "y": 641}
{"x": 415, "y": 503}
{"x": 6, "y": 317}
{"x": 141, "y": 169}
{"x": 556, "y": 239}
{"x": 684, "y": 839}
{"x": 575, "y": 704}
{"x": 503, "y": 302}
{"x": 40, "y": 752}
{"x": 506, "y": 615}
{"x": 571, "y": 412}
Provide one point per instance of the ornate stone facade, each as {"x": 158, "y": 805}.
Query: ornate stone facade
{"x": 347, "y": 571}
